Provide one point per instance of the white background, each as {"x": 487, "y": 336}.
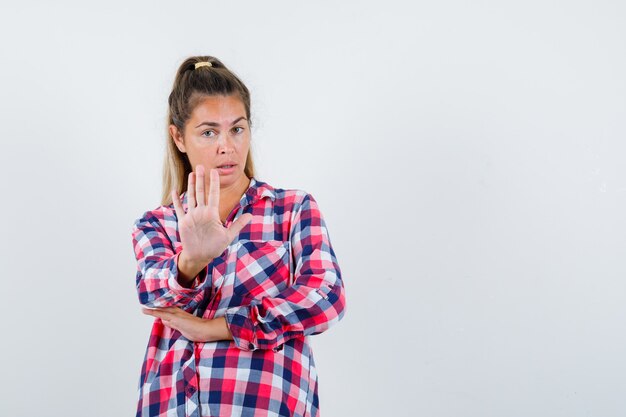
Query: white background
{"x": 468, "y": 157}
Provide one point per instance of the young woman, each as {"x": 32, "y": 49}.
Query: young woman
{"x": 238, "y": 274}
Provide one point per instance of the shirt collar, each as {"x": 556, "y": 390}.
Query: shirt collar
{"x": 256, "y": 190}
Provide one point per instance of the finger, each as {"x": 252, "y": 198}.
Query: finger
{"x": 200, "y": 194}
{"x": 148, "y": 311}
{"x": 191, "y": 195}
{"x": 156, "y": 312}
{"x": 214, "y": 191}
{"x": 170, "y": 309}
{"x": 166, "y": 322}
{"x": 171, "y": 312}
{"x": 178, "y": 207}
{"x": 237, "y": 225}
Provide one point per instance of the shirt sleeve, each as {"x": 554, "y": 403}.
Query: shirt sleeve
{"x": 157, "y": 268}
{"x": 314, "y": 302}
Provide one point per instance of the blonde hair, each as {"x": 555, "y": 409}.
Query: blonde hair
{"x": 191, "y": 85}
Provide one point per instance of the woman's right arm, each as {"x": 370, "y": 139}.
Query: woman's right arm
{"x": 164, "y": 277}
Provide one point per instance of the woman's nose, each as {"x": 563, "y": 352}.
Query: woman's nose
{"x": 226, "y": 150}
{"x": 225, "y": 144}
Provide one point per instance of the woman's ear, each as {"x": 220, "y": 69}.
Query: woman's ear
{"x": 178, "y": 138}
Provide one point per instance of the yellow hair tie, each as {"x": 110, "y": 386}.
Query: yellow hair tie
{"x": 202, "y": 64}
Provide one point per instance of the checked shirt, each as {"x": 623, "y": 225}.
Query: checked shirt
{"x": 276, "y": 284}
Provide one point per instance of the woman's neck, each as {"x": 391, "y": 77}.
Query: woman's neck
{"x": 230, "y": 197}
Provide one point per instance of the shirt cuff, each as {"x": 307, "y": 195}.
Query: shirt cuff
{"x": 242, "y": 327}
{"x": 243, "y": 323}
{"x": 198, "y": 281}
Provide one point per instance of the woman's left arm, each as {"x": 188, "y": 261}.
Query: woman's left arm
{"x": 194, "y": 328}
{"x": 314, "y": 302}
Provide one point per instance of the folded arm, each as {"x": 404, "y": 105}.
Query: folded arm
{"x": 314, "y": 302}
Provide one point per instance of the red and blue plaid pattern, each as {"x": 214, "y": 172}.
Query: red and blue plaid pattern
{"x": 276, "y": 284}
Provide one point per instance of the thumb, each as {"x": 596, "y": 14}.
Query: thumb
{"x": 239, "y": 224}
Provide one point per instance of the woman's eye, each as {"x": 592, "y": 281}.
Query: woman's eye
{"x": 208, "y": 131}
{"x": 238, "y": 127}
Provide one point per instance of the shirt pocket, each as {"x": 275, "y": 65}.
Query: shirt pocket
{"x": 262, "y": 268}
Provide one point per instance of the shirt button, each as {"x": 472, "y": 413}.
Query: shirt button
{"x": 250, "y": 346}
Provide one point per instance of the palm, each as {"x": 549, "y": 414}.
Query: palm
{"x": 202, "y": 235}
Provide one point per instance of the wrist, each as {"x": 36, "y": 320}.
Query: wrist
{"x": 194, "y": 263}
{"x": 217, "y": 329}
{"x": 188, "y": 269}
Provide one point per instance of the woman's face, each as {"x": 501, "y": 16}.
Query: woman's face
{"x": 217, "y": 134}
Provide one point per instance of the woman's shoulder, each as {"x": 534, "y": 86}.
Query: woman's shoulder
{"x": 280, "y": 195}
{"x": 163, "y": 215}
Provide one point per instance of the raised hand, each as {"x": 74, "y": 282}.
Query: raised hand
{"x": 202, "y": 235}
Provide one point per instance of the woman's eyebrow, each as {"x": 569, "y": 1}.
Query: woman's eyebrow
{"x": 217, "y": 124}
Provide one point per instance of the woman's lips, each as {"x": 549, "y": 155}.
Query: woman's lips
{"x": 223, "y": 170}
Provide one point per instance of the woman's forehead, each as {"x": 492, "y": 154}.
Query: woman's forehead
{"x": 218, "y": 103}
{"x": 218, "y": 110}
